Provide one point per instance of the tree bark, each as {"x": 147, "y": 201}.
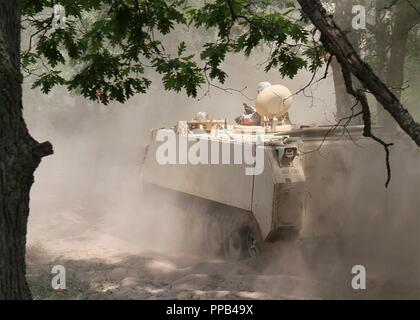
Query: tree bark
{"x": 405, "y": 19}
{"x": 336, "y": 42}
{"x": 343, "y": 100}
{"x": 20, "y": 155}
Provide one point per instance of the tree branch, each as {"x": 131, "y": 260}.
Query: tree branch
{"x": 413, "y": 6}
{"x": 367, "y": 120}
{"x": 336, "y": 42}
{"x": 43, "y": 149}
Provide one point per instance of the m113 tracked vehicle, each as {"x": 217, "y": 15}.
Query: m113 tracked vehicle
{"x": 246, "y": 179}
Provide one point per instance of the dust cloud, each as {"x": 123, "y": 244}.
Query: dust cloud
{"x": 87, "y": 212}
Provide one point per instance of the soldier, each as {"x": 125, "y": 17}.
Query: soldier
{"x": 262, "y": 86}
{"x": 251, "y": 117}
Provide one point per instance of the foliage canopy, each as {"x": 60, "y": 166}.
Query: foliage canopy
{"x": 111, "y": 43}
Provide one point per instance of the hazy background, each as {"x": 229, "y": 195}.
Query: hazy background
{"x": 92, "y": 182}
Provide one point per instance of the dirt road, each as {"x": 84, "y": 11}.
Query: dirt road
{"x": 101, "y": 264}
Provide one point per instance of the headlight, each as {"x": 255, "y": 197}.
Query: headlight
{"x": 286, "y": 155}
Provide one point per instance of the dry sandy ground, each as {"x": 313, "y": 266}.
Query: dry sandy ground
{"x": 100, "y": 265}
{"x": 97, "y": 271}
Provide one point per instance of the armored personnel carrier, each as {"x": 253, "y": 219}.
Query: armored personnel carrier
{"x": 238, "y": 184}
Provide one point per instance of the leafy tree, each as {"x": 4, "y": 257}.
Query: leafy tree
{"x": 112, "y": 52}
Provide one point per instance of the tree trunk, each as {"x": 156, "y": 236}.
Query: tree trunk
{"x": 405, "y": 18}
{"x": 343, "y": 100}
{"x": 20, "y": 155}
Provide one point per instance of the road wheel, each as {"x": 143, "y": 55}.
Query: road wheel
{"x": 242, "y": 240}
